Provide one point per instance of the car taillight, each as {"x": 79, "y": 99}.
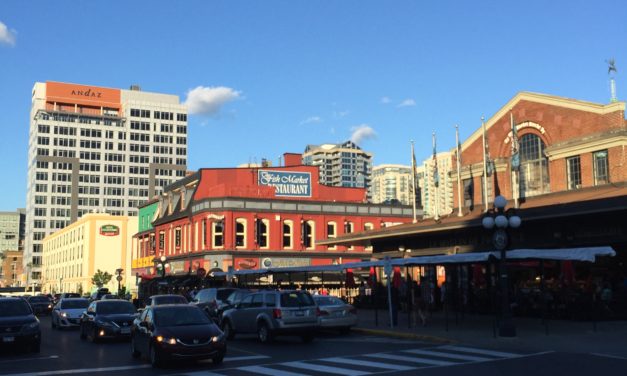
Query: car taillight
{"x": 276, "y": 313}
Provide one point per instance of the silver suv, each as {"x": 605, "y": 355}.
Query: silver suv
{"x": 272, "y": 313}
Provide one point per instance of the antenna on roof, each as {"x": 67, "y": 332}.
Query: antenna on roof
{"x": 611, "y": 67}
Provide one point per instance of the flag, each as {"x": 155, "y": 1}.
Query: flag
{"x": 436, "y": 175}
{"x": 515, "y": 145}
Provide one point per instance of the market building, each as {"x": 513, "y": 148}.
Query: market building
{"x": 255, "y": 217}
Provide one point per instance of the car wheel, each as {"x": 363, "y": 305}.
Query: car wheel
{"x": 155, "y": 358}
{"x": 228, "y": 330}
{"x": 82, "y": 332}
{"x": 36, "y": 347}
{"x": 218, "y": 359}
{"x": 134, "y": 352}
{"x": 263, "y": 333}
{"x": 307, "y": 338}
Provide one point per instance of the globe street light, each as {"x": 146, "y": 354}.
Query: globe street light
{"x": 501, "y": 220}
{"x": 162, "y": 265}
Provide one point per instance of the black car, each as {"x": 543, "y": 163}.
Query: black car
{"x": 40, "y": 304}
{"x": 107, "y": 319}
{"x": 209, "y": 300}
{"x": 18, "y": 324}
{"x": 171, "y": 332}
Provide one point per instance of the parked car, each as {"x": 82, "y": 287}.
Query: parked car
{"x": 170, "y": 332}
{"x": 209, "y": 299}
{"x": 107, "y": 319}
{"x": 18, "y": 324}
{"x": 335, "y": 313}
{"x": 272, "y": 313}
{"x": 98, "y": 294}
{"x": 166, "y": 299}
{"x": 109, "y": 297}
{"x": 67, "y": 313}
{"x": 40, "y": 304}
{"x": 231, "y": 300}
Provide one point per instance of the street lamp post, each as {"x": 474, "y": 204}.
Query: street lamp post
{"x": 162, "y": 265}
{"x": 119, "y": 279}
{"x": 500, "y": 241}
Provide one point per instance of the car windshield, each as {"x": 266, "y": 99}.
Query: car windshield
{"x": 108, "y": 308}
{"x": 223, "y": 294}
{"x": 180, "y": 316}
{"x": 159, "y": 300}
{"x": 10, "y": 308}
{"x": 38, "y": 299}
{"x": 296, "y": 299}
{"x": 74, "y": 304}
{"x": 328, "y": 300}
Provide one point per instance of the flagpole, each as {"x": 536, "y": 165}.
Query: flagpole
{"x": 485, "y": 169}
{"x": 413, "y": 179}
{"x": 436, "y": 177}
{"x": 459, "y": 171}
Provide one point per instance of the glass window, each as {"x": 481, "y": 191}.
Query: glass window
{"x": 332, "y": 233}
{"x": 287, "y": 234}
{"x": 240, "y": 233}
{"x": 261, "y": 232}
{"x": 257, "y": 300}
{"x": 270, "y": 300}
{"x": 600, "y": 166}
{"x": 573, "y": 172}
{"x": 308, "y": 234}
{"x": 218, "y": 234}
{"x": 534, "y": 170}
{"x": 177, "y": 237}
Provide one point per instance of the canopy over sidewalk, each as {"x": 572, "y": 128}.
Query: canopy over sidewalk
{"x": 588, "y": 254}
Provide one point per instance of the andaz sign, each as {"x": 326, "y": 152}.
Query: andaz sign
{"x": 87, "y": 93}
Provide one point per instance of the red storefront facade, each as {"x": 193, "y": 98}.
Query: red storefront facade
{"x": 258, "y": 217}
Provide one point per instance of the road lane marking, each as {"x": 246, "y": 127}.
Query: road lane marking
{"x": 367, "y": 363}
{"x": 449, "y": 355}
{"x": 480, "y": 351}
{"x": 79, "y": 370}
{"x": 412, "y": 359}
{"x": 609, "y": 356}
{"x": 268, "y": 371}
{"x": 238, "y": 358}
{"x": 28, "y": 359}
{"x": 327, "y": 369}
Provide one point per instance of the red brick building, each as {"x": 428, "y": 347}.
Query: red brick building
{"x": 256, "y": 217}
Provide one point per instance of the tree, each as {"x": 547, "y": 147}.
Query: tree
{"x": 101, "y": 278}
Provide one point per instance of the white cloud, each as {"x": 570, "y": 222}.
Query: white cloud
{"x": 385, "y": 100}
{"x": 407, "y": 103}
{"x": 311, "y": 119}
{"x": 362, "y": 132}
{"x": 209, "y": 100}
{"x": 341, "y": 114}
{"x": 7, "y": 36}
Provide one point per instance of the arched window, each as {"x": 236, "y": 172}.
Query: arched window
{"x": 534, "y": 166}
{"x": 261, "y": 232}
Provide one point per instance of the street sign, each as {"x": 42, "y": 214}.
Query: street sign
{"x": 119, "y": 278}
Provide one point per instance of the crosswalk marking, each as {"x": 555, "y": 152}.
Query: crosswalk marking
{"x": 367, "y": 363}
{"x": 412, "y": 359}
{"x": 327, "y": 369}
{"x": 268, "y": 371}
{"x": 480, "y": 351}
{"x": 449, "y": 355}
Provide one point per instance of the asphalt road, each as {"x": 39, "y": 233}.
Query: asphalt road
{"x": 63, "y": 353}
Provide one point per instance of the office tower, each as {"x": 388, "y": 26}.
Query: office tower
{"x": 96, "y": 149}
{"x": 437, "y": 199}
{"x": 12, "y": 230}
{"x": 392, "y": 184}
{"x": 341, "y": 165}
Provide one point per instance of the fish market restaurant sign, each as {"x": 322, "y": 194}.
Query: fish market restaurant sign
{"x": 287, "y": 183}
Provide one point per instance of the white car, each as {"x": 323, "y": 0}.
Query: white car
{"x": 334, "y": 313}
{"x": 67, "y": 312}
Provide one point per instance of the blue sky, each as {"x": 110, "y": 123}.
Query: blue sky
{"x": 294, "y": 73}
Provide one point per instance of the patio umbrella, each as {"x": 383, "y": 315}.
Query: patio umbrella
{"x": 350, "y": 279}
{"x": 396, "y": 277}
{"x": 372, "y": 279}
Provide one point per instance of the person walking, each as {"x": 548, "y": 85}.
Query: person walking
{"x": 419, "y": 306}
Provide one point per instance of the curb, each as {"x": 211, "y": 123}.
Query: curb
{"x": 403, "y": 335}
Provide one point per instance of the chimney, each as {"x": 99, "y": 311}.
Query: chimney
{"x": 292, "y": 159}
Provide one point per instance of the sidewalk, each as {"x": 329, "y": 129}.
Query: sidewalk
{"x": 607, "y": 337}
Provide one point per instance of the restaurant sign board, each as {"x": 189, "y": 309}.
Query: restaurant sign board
{"x": 109, "y": 230}
{"x": 287, "y": 183}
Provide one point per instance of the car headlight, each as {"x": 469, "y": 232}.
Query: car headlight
{"x": 50, "y": 306}
{"x": 217, "y": 338}
{"x": 63, "y": 314}
{"x": 169, "y": 341}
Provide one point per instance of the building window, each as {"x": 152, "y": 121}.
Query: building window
{"x": 161, "y": 240}
{"x": 204, "y": 233}
{"x": 177, "y": 237}
{"x": 261, "y": 232}
{"x": 332, "y": 233}
{"x": 307, "y": 234}
{"x": 240, "y": 233}
{"x": 288, "y": 227}
{"x": 573, "y": 169}
{"x": 469, "y": 193}
{"x": 218, "y": 234}
{"x": 534, "y": 170}
{"x": 348, "y": 227}
{"x": 600, "y": 166}
{"x": 368, "y": 227}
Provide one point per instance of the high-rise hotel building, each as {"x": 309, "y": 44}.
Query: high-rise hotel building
{"x": 95, "y": 149}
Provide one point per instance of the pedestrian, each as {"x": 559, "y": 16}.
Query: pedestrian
{"x": 419, "y": 307}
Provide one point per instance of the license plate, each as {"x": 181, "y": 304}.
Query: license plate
{"x": 125, "y": 330}
{"x": 299, "y": 313}
{"x": 8, "y": 339}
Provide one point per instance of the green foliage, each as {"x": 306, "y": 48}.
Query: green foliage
{"x": 101, "y": 278}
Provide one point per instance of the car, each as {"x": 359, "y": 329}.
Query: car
{"x": 228, "y": 303}
{"x": 107, "y": 319}
{"x": 176, "y": 331}
{"x": 40, "y": 304}
{"x": 156, "y": 300}
{"x": 109, "y": 297}
{"x": 98, "y": 294}
{"x": 272, "y": 313}
{"x": 209, "y": 299}
{"x": 19, "y": 325}
{"x": 67, "y": 312}
{"x": 335, "y": 313}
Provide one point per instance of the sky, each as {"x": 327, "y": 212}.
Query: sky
{"x": 261, "y": 78}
